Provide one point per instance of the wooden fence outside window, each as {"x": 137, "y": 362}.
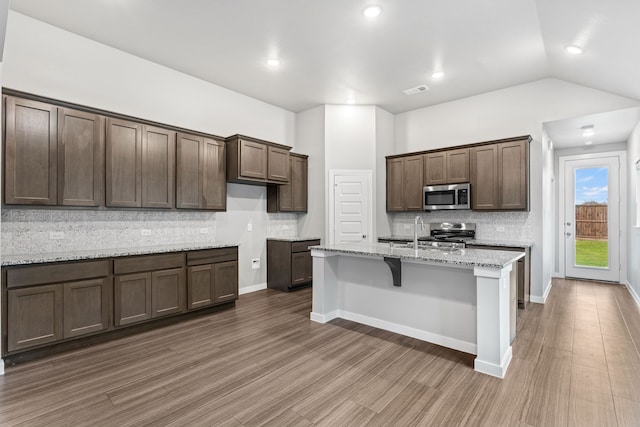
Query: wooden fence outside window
{"x": 591, "y": 222}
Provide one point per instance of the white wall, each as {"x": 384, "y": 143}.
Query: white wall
{"x": 548, "y": 213}
{"x": 633, "y": 155}
{"x": 385, "y": 128}
{"x": 48, "y": 61}
{"x": 310, "y": 140}
{"x": 519, "y": 110}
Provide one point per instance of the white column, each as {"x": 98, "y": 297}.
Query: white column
{"x": 325, "y": 286}
{"x": 493, "y": 346}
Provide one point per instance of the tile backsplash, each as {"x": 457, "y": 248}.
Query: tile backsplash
{"x": 282, "y": 225}
{"x": 28, "y": 231}
{"x": 516, "y": 226}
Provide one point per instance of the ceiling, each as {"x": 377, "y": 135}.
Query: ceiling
{"x": 330, "y": 52}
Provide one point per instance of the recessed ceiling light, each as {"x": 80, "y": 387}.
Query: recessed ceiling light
{"x": 351, "y": 101}
{"x": 372, "y": 11}
{"x": 588, "y": 130}
{"x": 574, "y": 50}
{"x": 273, "y": 62}
{"x": 438, "y": 75}
{"x": 588, "y": 142}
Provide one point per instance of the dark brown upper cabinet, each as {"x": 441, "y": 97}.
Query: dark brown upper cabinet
{"x": 80, "y": 158}
{"x": 124, "y": 163}
{"x": 447, "y": 167}
{"x": 158, "y": 167}
{"x": 500, "y": 175}
{"x": 31, "y": 152}
{"x": 404, "y": 183}
{"x": 200, "y": 173}
{"x": 291, "y": 197}
{"x": 254, "y": 161}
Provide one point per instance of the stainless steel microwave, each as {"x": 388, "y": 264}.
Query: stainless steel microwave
{"x": 454, "y": 196}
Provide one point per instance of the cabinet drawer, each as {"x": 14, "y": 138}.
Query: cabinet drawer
{"x": 303, "y": 246}
{"x": 147, "y": 263}
{"x": 53, "y": 273}
{"x": 212, "y": 256}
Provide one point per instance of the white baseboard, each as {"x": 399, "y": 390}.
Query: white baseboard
{"x": 453, "y": 343}
{"x": 633, "y": 292}
{"x": 254, "y": 288}
{"x": 557, "y": 275}
{"x": 323, "y": 318}
{"x": 493, "y": 369}
{"x": 543, "y": 299}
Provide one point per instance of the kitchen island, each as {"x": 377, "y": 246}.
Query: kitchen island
{"x": 454, "y": 298}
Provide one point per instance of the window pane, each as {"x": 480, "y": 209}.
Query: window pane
{"x": 592, "y": 213}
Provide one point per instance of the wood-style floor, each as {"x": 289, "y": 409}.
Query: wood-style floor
{"x": 576, "y": 363}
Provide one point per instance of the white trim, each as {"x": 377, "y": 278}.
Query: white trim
{"x": 557, "y": 275}
{"x": 493, "y": 369}
{"x": 254, "y": 288}
{"x": 324, "y": 318}
{"x": 622, "y": 189}
{"x": 453, "y": 343}
{"x": 633, "y": 292}
{"x": 545, "y": 295}
{"x": 333, "y": 173}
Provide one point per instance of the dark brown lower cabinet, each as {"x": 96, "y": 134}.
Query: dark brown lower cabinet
{"x": 52, "y": 304}
{"x": 132, "y": 300}
{"x": 35, "y": 316}
{"x": 87, "y": 306}
{"x": 289, "y": 264}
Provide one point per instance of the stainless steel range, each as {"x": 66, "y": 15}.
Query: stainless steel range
{"x": 448, "y": 235}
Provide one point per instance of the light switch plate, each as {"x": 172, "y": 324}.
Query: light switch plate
{"x": 500, "y": 228}
{"x": 249, "y": 227}
{"x": 56, "y": 235}
{"x": 145, "y": 232}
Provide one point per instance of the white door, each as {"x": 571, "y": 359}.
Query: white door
{"x": 351, "y": 207}
{"x": 592, "y": 218}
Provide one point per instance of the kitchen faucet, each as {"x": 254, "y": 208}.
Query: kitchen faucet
{"x": 415, "y": 230}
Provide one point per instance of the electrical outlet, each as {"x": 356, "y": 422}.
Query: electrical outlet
{"x": 407, "y": 227}
{"x": 145, "y": 232}
{"x": 249, "y": 227}
{"x": 500, "y": 228}
{"x": 204, "y": 230}
{"x": 285, "y": 227}
{"x": 255, "y": 263}
{"x": 56, "y": 235}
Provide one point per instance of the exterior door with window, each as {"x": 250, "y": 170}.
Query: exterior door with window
{"x": 591, "y": 224}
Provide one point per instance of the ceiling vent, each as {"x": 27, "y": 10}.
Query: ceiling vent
{"x": 417, "y": 89}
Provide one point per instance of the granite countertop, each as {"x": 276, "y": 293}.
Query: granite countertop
{"x": 293, "y": 239}
{"x": 8, "y": 260}
{"x": 466, "y": 258}
{"x": 479, "y": 242}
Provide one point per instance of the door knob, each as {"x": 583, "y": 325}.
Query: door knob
{"x": 364, "y": 236}
{"x": 568, "y": 223}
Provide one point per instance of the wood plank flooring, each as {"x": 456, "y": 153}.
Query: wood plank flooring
{"x": 576, "y": 363}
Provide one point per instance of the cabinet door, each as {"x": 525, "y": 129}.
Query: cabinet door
{"x": 513, "y": 175}
{"x": 301, "y": 268}
{"x": 278, "y": 164}
{"x": 200, "y": 286}
{"x": 484, "y": 177}
{"x": 413, "y": 179}
{"x": 225, "y": 279}
{"x": 167, "y": 292}
{"x": 253, "y": 160}
{"x": 34, "y": 316}
{"x": 80, "y": 158}
{"x": 436, "y": 168}
{"x": 158, "y": 162}
{"x": 395, "y": 185}
{"x": 87, "y": 306}
{"x": 188, "y": 179}
{"x": 132, "y": 302}
{"x": 30, "y": 152}
{"x": 124, "y": 163}
{"x": 214, "y": 175}
{"x": 299, "y": 178}
{"x": 457, "y": 166}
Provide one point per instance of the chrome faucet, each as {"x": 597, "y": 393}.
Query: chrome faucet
{"x": 415, "y": 230}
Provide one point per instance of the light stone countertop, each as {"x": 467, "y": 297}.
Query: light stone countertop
{"x": 9, "y": 260}
{"x": 466, "y": 258}
{"x": 293, "y": 239}
{"x": 479, "y": 242}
